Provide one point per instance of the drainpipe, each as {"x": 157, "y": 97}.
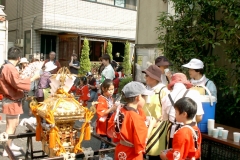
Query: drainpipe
{"x": 31, "y": 48}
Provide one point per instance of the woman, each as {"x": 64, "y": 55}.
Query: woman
{"x": 22, "y": 65}
{"x": 198, "y": 77}
{"x": 43, "y": 88}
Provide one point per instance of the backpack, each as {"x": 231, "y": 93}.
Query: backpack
{"x": 157, "y": 138}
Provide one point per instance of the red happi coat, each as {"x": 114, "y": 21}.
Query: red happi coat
{"x": 84, "y": 95}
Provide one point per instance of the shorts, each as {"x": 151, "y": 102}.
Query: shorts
{"x": 12, "y": 108}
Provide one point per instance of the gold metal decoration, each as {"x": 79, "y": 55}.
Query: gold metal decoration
{"x": 56, "y": 116}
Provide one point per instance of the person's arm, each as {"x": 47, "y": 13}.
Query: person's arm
{"x": 71, "y": 62}
{"x": 151, "y": 126}
{"x": 107, "y": 111}
{"x": 13, "y": 78}
{"x": 179, "y": 142}
{"x": 77, "y": 67}
{"x": 200, "y": 111}
{"x": 212, "y": 88}
{"x": 58, "y": 66}
{"x": 93, "y": 86}
{"x": 199, "y": 118}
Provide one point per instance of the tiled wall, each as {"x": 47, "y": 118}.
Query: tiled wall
{"x": 89, "y": 18}
{"x": 78, "y": 16}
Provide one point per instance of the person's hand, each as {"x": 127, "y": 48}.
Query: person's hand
{"x": 114, "y": 108}
{"x": 152, "y": 121}
{"x": 71, "y": 57}
{"x": 35, "y": 77}
{"x": 163, "y": 155}
{"x": 117, "y": 103}
{"x": 168, "y": 73}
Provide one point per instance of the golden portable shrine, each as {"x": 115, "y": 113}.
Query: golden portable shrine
{"x": 56, "y": 116}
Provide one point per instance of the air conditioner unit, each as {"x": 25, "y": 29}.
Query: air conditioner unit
{"x": 20, "y": 43}
{"x": 16, "y": 43}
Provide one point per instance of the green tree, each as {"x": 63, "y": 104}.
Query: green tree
{"x": 127, "y": 61}
{"x": 109, "y": 50}
{"x": 85, "y": 64}
{"x": 196, "y": 29}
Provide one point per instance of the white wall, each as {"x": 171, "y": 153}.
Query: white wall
{"x": 3, "y": 41}
{"x": 89, "y": 18}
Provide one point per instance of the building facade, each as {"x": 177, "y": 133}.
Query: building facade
{"x": 41, "y": 26}
{"x": 146, "y": 44}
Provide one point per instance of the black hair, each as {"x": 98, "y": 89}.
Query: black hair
{"x": 119, "y": 69}
{"x": 100, "y": 69}
{"x": 187, "y": 105}
{"x": 84, "y": 80}
{"x": 106, "y": 84}
{"x": 106, "y": 57}
{"x": 114, "y": 64}
{"x": 14, "y": 53}
{"x": 199, "y": 70}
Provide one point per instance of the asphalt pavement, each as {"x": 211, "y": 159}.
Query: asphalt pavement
{"x": 93, "y": 143}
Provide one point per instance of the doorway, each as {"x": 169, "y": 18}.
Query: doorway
{"x": 48, "y": 44}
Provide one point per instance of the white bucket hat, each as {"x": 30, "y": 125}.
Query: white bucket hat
{"x": 49, "y": 67}
{"x": 23, "y": 60}
{"x": 194, "y": 64}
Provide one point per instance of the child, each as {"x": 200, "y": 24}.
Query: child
{"x": 105, "y": 108}
{"x": 83, "y": 91}
{"x": 187, "y": 140}
{"x": 128, "y": 125}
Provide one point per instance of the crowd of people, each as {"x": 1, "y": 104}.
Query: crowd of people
{"x": 157, "y": 120}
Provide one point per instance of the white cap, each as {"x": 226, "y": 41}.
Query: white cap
{"x": 23, "y": 60}
{"x": 89, "y": 74}
{"x": 49, "y": 67}
{"x": 194, "y": 64}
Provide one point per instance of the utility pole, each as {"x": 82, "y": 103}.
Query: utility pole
{"x": 3, "y": 35}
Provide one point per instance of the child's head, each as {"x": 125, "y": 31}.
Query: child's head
{"x": 135, "y": 92}
{"x": 185, "y": 109}
{"x": 107, "y": 87}
{"x": 83, "y": 80}
{"x": 106, "y": 59}
{"x": 114, "y": 65}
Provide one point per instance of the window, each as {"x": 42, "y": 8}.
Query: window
{"x": 27, "y": 42}
{"x": 119, "y": 3}
{"x": 129, "y": 4}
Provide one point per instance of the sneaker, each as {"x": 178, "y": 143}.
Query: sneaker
{"x": 15, "y": 153}
{"x": 15, "y": 148}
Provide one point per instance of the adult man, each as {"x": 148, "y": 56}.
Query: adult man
{"x": 52, "y": 59}
{"x": 108, "y": 72}
{"x": 74, "y": 64}
{"x": 163, "y": 63}
{"x": 92, "y": 85}
{"x": 12, "y": 87}
{"x": 154, "y": 107}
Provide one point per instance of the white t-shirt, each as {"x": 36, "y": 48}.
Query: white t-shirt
{"x": 108, "y": 72}
{"x": 168, "y": 111}
{"x": 164, "y": 79}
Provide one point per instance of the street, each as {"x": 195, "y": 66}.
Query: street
{"x": 94, "y": 143}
